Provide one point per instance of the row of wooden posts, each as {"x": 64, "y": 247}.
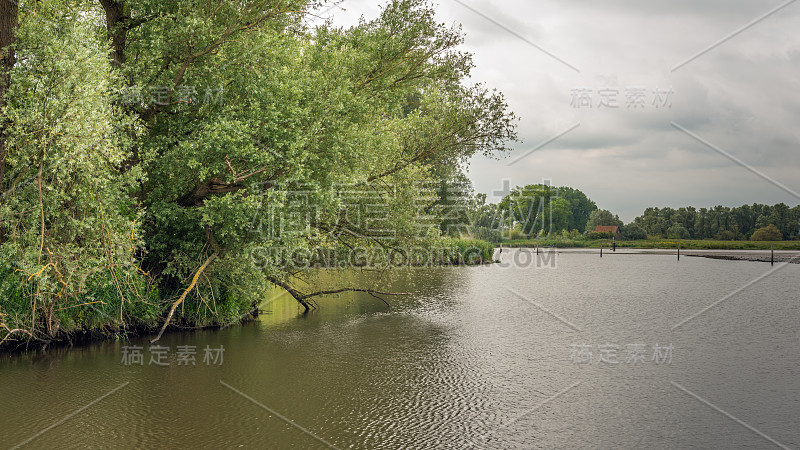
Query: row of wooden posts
{"x": 614, "y": 249}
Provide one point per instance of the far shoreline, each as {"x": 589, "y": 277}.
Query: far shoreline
{"x": 655, "y": 244}
{"x": 754, "y": 255}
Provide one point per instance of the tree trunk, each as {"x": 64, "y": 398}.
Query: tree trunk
{"x": 9, "y": 12}
{"x": 115, "y": 18}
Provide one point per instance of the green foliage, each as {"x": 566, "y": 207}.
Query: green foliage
{"x": 220, "y": 131}
{"x": 633, "y": 231}
{"x": 454, "y": 197}
{"x": 515, "y": 232}
{"x": 677, "y": 231}
{"x": 602, "y": 217}
{"x": 486, "y": 234}
{"x": 767, "y": 233}
{"x": 541, "y": 207}
{"x": 722, "y": 222}
{"x": 580, "y": 207}
{"x": 531, "y": 211}
{"x": 70, "y": 232}
{"x": 469, "y": 251}
{"x": 726, "y": 235}
{"x": 595, "y": 235}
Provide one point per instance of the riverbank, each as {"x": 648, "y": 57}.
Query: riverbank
{"x": 778, "y": 256}
{"x": 83, "y": 337}
{"x": 115, "y": 314}
{"x": 688, "y": 244}
{"x": 751, "y": 255}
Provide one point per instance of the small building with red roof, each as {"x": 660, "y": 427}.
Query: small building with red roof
{"x": 608, "y": 229}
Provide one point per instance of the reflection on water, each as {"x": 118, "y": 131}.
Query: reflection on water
{"x": 481, "y": 356}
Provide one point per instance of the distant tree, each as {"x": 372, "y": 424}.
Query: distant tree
{"x": 542, "y": 207}
{"x": 453, "y": 195}
{"x": 581, "y": 207}
{"x": 677, "y": 231}
{"x": 528, "y": 206}
{"x": 649, "y": 222}
{"x": 708, "y": 223}
{"x": 560, "y": 214}
{"x": 793, "y": 227}
{"x": 602, "y": 217}
{"x": 633, "y": 231}
{"x": 701, "y": 223}
{"x": 762, "y": 221}
{"x": 485, "y": 219}
{"x": 515, "y": 232}
{"x": 725, "y": 235}
{"x": 779, "y": 216}
{"x": 685, "y": 217}
{"x": 767, "y": 233}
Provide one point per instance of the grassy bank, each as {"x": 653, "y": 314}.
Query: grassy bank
{"x": 689, "y": 244}
{"x": 114, "y": 307}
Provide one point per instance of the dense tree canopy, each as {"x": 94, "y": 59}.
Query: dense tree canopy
{"x": 539, "y": 207}
{"x": 541, "y": 211}
{"x": 720, "y": 222}
{"x": 154, "y": 152}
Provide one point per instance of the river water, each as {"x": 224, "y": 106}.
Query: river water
{"x": 575, "y": 351}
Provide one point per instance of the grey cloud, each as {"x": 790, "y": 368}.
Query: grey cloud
{"x": 743, "y": 96}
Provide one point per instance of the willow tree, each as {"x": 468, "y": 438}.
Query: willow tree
{"x": 227, "y": 113}
{"x": 69, "y": 229}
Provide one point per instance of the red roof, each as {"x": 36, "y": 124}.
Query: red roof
{"x": 606, "y": 229}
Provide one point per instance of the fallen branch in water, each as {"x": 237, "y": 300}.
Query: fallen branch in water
{"x": 368, "y": 291}
{"x": 9, "y": 332}
{"x": 303, "y": 299}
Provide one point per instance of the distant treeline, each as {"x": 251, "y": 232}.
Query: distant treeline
{"x": 540, "y": 211}
{"x": 720, "y": 222}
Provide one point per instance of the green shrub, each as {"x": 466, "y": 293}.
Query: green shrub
{"x": 725, "y": 235}
{"x": 633, "y": 232}
{"x": 767, "y": 233}
{"x": 468, "y": 251}
{"x": 593, "y": 235}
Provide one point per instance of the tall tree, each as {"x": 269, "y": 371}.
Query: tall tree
{"x": 552, "y": 209}
{"x": 75, "y": 230}
{"x": 244, "y": 111}
{"x": 218, "y": 132}
{"x": 602, "y": 217}
{"x": 9, "y": 15}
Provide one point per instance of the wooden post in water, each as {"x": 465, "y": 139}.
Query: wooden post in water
{"x": 771, "y": 255}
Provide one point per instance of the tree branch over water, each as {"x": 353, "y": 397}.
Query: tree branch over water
{"x": 191, "y": 286}
{"x": 303, "y": 299}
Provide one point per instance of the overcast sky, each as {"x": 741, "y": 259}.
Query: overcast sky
{"x": 741, "y": 97}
